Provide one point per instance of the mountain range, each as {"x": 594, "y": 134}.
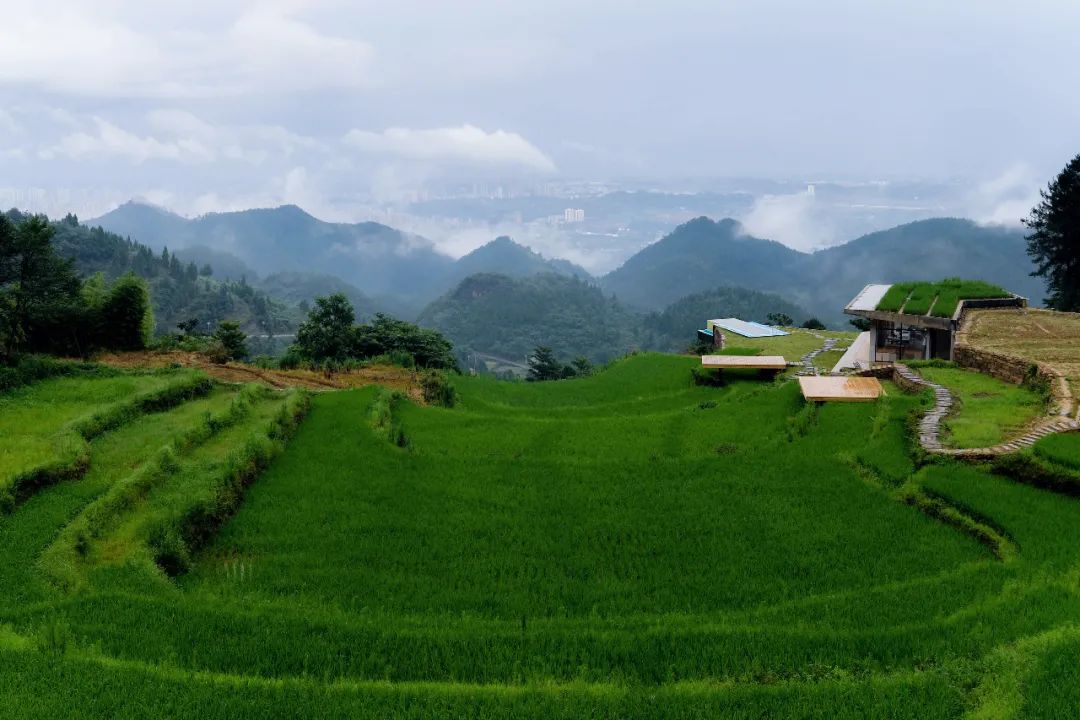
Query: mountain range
{"x": 389, "y": 270}
{"x": 399, "y": 271}
{"x": 703, "y": 254}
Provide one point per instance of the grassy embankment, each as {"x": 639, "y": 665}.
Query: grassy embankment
{"x": 987, "y": 411}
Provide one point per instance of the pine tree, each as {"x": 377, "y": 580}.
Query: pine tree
{"x": 1054, "y": 241}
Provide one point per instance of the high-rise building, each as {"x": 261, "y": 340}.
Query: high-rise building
{"x": 579, "y": 215}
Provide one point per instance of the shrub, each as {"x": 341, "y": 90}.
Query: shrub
{"x": 437, "y": 389}
{"x": 230, "y": 342}
{"x": 814, "y": 324}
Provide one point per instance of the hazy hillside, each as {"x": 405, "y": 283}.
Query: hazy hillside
{"x": 178, "y": 290}
{"x": 699, "y": 255}
{"x": 226, "y": 266}
{"x": 402, "y": 271}
{"x": 923, "y": 250}
{"x": 297, "y": 287}
{"x": 374, "y": 257}
{"x": 508, "y": 317}
{"x": 506, "y": 257}
{"x": 702, "y": 254}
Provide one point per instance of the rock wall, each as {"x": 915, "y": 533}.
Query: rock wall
{"x": 1015, "y": 370}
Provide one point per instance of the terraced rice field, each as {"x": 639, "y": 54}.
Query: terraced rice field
{"x": 1042, "y": 336}
{"x": 628, "y": 545}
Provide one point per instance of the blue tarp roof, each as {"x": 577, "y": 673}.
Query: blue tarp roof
{"x": 747, "y": 328}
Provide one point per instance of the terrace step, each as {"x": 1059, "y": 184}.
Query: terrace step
{"x": 930, "y": 424}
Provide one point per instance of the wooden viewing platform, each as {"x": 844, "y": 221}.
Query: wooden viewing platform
{"x": 842, "y": 389}
{"x": 743, "y": 362}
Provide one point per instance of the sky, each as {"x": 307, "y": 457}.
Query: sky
{"x": 204, "y": 106}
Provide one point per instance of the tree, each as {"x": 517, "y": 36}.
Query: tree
{"x": 188, "y": 327}
{"x": 582, "y": 366}
{"x": 1054, "y": 241}
{"x": 543, "y": 365}
{"x": 126, "y": 316}
{"x": 231, "y": 341}
{"x": 779, "y": 318}
{"x": 814, "y": 324}
{"x": 385, "y": 334}
{"x": 860, "y": 324}
{"x": 327, "y": 334}
{"x": 35, "y": 283}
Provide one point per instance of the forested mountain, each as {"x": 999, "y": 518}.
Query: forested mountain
{"x": 923, "y": 250}
{"x": 376, "y": 258}
{"x": 702, "y": 254}
{"x": 178, "y": 290}
{"x": 503, "y": 256}
{"x": 508, "y": 317}
{"x": 672, "y": 329}
{"x": 699, "y": 255}
{"x": 402, "y": 271}
{"x": 225, "y": 266}
{"x": 295, "y": 288}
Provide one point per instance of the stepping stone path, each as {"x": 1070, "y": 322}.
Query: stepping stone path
{"x": 807, "y": 360}
{"x": 930, "y": 425}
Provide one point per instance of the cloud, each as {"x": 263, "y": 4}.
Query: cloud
{"x": 174, "y": 135}
{"x": 464, "y": 145}
{"x": 77, "y": 48}
{"x": 1006, "y": 198}
{"x": 793, "y": 220}
{"x": 109, "y": 140}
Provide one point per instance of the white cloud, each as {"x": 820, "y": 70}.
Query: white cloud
{"x": 109, "y": 140}
{"x": 95, "y": 49}
{"x": 174, "y": 135}
{"x": 464, "y": 145}
{"x": 1006, "y": 198}
{"x": 790, "y": 219}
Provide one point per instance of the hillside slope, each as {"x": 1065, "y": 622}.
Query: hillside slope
{"x": 508, "y": 317}
{"x": 702, "y": 254}
{"x": 374, "y": 257}
{"x": 699, "y": 255}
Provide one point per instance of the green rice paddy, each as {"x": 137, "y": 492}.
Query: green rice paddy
{"x": 628, "y": 545}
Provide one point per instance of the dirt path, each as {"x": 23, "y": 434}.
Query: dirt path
{"x": 390, "y": 376}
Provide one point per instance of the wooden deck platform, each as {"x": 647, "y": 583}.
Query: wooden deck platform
{"x": 743, "y": 362}
{"x": 840, "y": 389}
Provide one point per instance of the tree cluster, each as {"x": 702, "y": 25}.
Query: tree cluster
{"x": 544, "y": 365}
{"x": 45, "y": 307}
{"x": 330, "y": 335}
{"x": 179, "y": 289}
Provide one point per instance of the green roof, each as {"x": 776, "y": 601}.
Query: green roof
{"x": 938, "y": 299}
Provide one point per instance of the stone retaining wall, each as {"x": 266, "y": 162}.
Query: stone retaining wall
{"x": 1015, "y": 370}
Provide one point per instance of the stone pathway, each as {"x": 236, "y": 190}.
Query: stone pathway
{"x": 807, "y": 360}
{"x": 930, "y": 425}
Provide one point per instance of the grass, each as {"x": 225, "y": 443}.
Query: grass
{"x": 988, "y": 411}
{"x": 792, "y": 346}
{"x": 1042, "y": 336}
{"x": 25, "y": 534}
{"x": 45, "y": 426}
{"x": 626, "y": 545}
{"x": 1061, "y": 450}
{"x": 939, "y": 299}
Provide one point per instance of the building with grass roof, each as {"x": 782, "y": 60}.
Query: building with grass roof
{"x": 917, "y": 320}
